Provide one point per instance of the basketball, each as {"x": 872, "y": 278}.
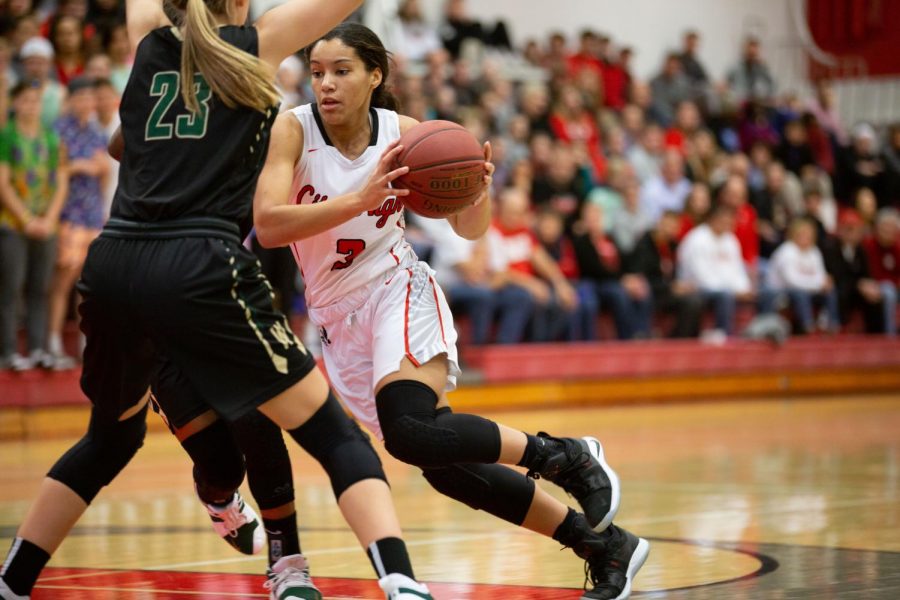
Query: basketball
{"x": 446, "y": 168}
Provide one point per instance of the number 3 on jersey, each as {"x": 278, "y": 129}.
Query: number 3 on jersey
{"x": 166, "y": 85}
{"x": 352, "y": 249}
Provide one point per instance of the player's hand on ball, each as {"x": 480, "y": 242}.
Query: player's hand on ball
{"x": 378, "y": 187}
{"x": 489, "y": 169}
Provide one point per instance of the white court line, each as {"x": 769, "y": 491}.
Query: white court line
{"x": 75, "y": 575}
{"x": 313, "y": 553}
{"x": 729, "y": 512}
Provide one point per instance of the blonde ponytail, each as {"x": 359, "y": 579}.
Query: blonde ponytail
{"x": 236, "y": 77}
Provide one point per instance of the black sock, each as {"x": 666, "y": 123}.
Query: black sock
{"x": 23, "y": 565}
{"x": 388, "y": 555}
{"x": 533, "y": 445}
{"x": 566, "y": 534}
{"x": 282, "y": 536}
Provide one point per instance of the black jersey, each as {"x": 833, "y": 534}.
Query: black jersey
{"x": 177, "y": 164}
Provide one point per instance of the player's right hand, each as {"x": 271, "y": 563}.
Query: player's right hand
{"x": 378, "y": 186}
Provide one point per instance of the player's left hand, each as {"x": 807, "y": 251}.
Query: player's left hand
{"x": 489, "y": 169}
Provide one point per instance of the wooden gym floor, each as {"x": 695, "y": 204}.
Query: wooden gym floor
{"x": 782, "y": 498}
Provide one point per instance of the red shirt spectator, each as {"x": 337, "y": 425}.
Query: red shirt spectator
{"x": 615, "y": 86}
{"x": 884, "y": 260}
{"x": 518, "y": 247}
{"x": 571, "y": 123}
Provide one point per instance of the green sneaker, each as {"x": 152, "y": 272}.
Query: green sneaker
{"x": 238, "y": 524}
{"x": 289, "y": 580}
{"x": 401, "y": 587}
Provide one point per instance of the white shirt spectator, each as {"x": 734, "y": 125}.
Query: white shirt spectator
{"x": 713, "y": 262}
{"x": 794, "y": 268}
{"x": 658, "y": 196}
{"x": 450, "y": 250}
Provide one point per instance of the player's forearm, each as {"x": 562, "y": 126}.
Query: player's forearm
{"x": 286, "y": 223}
{"x": 473, "y": 222}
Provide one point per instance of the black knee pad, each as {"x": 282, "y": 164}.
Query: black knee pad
{"x": 96, "y": 459}
{"x": 340, "y": 446}
{"x": 268, "y": 463}
{"x": 495, "y": 489}
{"x": 419, "y": 434}
{"x": 218, "y": 462}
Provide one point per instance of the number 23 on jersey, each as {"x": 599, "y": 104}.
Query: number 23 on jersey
{"x": 166, "y": 85}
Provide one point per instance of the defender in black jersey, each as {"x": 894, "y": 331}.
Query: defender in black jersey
{"x": 169, "y": 277}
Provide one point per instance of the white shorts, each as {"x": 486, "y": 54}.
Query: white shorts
{"x": 405, "y": 316}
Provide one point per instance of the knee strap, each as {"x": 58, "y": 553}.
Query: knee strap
{"x": 340, "y": 446}
{"x": 218, "y": 462}
{"x": 96, "y": 459}
{"x": 495, "y": 489}
{"x": 419, "y": 434}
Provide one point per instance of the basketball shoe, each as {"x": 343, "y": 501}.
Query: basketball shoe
{"x": 238, "y": 524}
{"x": 8, "y": 594}
{"x": 289, "y": 580}
{"x": 401, "y": 587}
{"x": 612, "y": 559}
{"x": 579, "y": 467}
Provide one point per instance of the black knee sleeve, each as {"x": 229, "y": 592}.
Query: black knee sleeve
{"x": 268, "y": 464}
{"x": 218, "y": 462}
{"x": 96, "y": 459}
{"x": 419, "y": 434}
{"x": 495, "y": 489}
{"x": 340, "y": 446}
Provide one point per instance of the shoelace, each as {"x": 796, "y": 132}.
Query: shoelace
{"x": 233, "y": 518}
{"x": 295, "y": 575}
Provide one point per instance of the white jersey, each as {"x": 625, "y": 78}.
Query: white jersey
{"x": 353, "y": 255}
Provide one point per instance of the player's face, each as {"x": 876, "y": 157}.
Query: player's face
{"x": 341, "y": 82}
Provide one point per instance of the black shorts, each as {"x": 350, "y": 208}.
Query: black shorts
{"x": 190, "y": 292}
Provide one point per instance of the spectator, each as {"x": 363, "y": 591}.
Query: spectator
{"x": 605, "y": 279}
{"x": 550, "y": 231}
{"x": 696, "y": 209}
{"x": 797, "y": 269}
{"x": 751, "y": 79}
{"x": 860, "y": 165}
{"x": 687, "y": 123}
{"x": 756, "y": 127}
{"x": 703, "y": 156}
{"x": 414, "y": 39}
{"x": 632, "y": 122}
{"x": 37, "y": 62}
{"x": 669, "y": 88}
{"x": 654, "y": 258}
{"x": 647, "y": 156}
{"x": 630, "y": 222}
{"x": 709, "y": 260}
{"x": 794, "y": 152}
{"x": 819, "y": 144}
{"x": 848, "y": 266}
{"x": 562, "y": 188}
{"x": 690, "y": 64}
{"x": 883, "y": 251}
{"x": 813, "y": 202}
{"x": 115, "y": 41}
{"x": 573, "y": 124}
{"x": 534, "y": 102}
{"x": 616, "y": 81}
{"x": 67, "y": 37}
{"x": 530, "y": 267}
{"x": 611, "y": 197}
{"x": 105, "y": 15}
{"x": 586, "y": 58}
{"x": 668, "y": 191}
{"x": 866, "y": 205}
{"x": 824, "y": 108}
{"x": 891, "y": 158}
{"x": 734, "y": 194}
{"x": 82, "y": 215}
{"x": 33, "y": 187}
{"x": 108, "y": 119}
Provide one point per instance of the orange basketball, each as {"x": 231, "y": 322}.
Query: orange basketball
{"x": 446, "y": 168}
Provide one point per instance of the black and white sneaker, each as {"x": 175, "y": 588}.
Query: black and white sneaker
{"x": 579, "y": 467}
{"x": 612, "y": 571}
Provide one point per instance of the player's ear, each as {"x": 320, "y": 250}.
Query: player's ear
{"x": 376, "y": 77}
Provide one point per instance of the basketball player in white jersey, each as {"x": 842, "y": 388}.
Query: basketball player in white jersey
{"x": 387, "y": 333}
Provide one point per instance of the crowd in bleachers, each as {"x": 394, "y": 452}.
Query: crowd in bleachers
{"x": 670, "y": 205}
